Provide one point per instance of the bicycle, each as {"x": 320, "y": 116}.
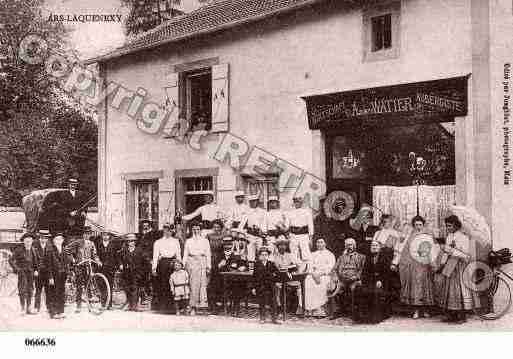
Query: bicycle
{"x": 8, "y": 286}
{"x": 497, "y": 296}
{"x": 97, "y": 290}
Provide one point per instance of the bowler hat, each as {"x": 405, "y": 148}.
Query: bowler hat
{"x": 264, "y": 249}
{"x": 26, "y": 235}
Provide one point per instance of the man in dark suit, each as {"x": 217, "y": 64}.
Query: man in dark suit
{"x": 228, "y": 262}
{"x": 372, "y": 297}
{"x": 132, "y": 271}
{"x": 42, "y": 247}
{"x": 24, "y": 263}
{"x": 147, "y": 238}
{"x": 265, "y": 276}
{"x": 57, "y": 263}
{"x": 108, "y": 253}
{"x": 77, "y": 207}
{"x": 362, "y": 229}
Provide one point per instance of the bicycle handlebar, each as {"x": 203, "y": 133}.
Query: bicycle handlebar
{"x": 86, "y": 261}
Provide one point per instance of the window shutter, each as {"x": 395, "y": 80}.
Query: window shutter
{"x": 172, "y": 105}
{"x": 220, "y": 95}
{"x": 179, "y": 194}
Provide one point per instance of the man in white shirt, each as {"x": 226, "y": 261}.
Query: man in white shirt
{"x": 276, "y": 222}
{"x": 301, "y": 230}
{"x": 254, "y": 225}
{"x": 208, "y": 212}
{"x": 237, "y": 212}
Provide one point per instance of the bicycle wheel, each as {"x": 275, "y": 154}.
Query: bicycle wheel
{"x": 70, "y": 289}
{"x": 97, "y": 293}
{"x": 496, "y": 301}
{"x": 119, "y": 299}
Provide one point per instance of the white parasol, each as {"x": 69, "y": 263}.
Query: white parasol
{"x": 473, "y": 224}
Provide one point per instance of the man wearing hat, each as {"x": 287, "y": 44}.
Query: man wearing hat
{"x": 132, "y": 271}
{"x": 42, "y": 248}
{"x": 276, "y": 221}
{"x": 287, "y": 263}
{"x": 254, "y": 225}
{"x": 147, "y": 238}
{"x": 238, "y": 211}
{"x": 209, "y": 212}
{"x": 265, "y": 277}
{"x": 231, "y": 261}
{"x": 301, "y": 230}
{"x": 362, "y": 229}
{"x": 77, "y": 213}
{"x": 24, "y": 263}
{"x": 108, "y": 258}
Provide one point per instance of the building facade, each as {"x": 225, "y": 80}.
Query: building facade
{"x": 397, "y": 103}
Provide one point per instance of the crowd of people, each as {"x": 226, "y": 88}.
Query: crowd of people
{"x": 363, "y": 272}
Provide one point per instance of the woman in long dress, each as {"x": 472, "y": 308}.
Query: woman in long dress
{"x": 197, "y": 261}
{"x": 316, "y": 283}
{"x": 415, "y": 269}
{"x": 457, "y": 297}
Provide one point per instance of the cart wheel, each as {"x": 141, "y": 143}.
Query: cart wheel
{"x": 97, "y": 293}
{"x": 119, "y": 299}
{"x": 497, "y": 300}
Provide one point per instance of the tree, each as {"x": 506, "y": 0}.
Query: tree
{"x": 145, "y": 15}
{"x": 44, "y": 136}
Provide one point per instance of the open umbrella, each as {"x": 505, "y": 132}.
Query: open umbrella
{"x": 473, "y": 224}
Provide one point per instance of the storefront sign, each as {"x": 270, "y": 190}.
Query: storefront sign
{"x": 441, "y": 98}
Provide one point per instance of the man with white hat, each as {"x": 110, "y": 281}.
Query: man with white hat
{"x": 301, "y": 230}
{"x": 237, "y": 212}
{"x": 254, "y": 225}
{"x": 276, "y": 221}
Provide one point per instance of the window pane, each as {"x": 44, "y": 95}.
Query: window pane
{"x": 200, "y": 97}
{"x": 387, "y": 31}
{"x": 381, "y": 32}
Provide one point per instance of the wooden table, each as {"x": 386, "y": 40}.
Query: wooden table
{"x": 247, "y": 277}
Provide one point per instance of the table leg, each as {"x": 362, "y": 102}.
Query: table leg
{"x": 302, "y": 282}
{"x": 284, "y": 300}
{"x": 225, "y": 299}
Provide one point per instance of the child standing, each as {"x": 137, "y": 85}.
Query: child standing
{"x": 179, "y": 284}
{"x": 265, "y": 276}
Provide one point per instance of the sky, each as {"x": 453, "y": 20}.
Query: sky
{"x": 92, "y": 39}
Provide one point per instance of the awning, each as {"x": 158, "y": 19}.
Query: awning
{"x": 420, "y": 100}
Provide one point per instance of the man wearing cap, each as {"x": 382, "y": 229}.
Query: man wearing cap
{"x": 166, "y": 251}
{"x": 81, "y": 250}
{"x": 238, "y": 211}
{"x": 24, "y": 263}
{"x": 254, "y": 225}
{"x": 301, "y": 230}
{"x": 276, "y": 221}
{"x": 209, "y": 212}
{"x": 132, "y": 271}
{"x": 42, "y": 248}
{"x": 287, "y": 263}
{"x": 348, "y": 271}
{"x": 265, "y": 277}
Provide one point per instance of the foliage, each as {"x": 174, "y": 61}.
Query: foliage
{"x": 44, "y": 136}
{"x": 145, "y": 15}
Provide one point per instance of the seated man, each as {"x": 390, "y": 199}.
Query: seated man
{"x": 232, "y": 261}
{"x": 347, "y": 273}
{"x": 287, "y": 263}
{"x": 372, "y": 297}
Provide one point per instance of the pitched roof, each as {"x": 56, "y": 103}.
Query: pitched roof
{"x": 218, "y": 15}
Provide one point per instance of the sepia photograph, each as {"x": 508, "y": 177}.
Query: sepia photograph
{"x": 255, "y": 166}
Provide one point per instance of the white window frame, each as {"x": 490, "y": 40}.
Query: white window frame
{"x": 394, "y": 9}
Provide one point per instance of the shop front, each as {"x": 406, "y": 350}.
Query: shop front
{"x": 393, "y": 147}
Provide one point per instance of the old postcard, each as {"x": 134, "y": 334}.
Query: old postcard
{"x": 255, "y": 165}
